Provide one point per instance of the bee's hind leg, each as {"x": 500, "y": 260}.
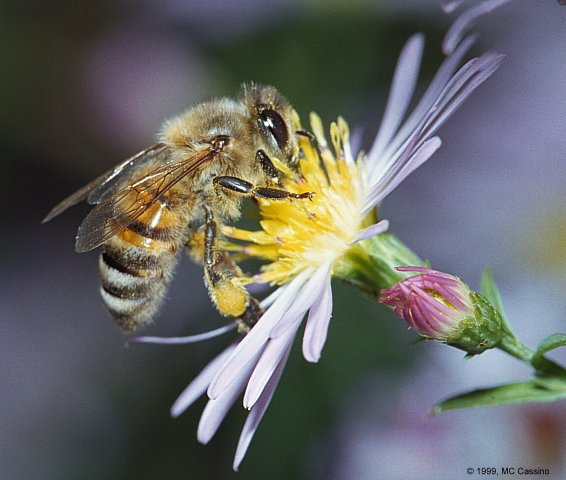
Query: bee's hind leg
{"x": 221, "y": 275}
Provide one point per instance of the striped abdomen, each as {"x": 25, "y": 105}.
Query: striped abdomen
{"x": 137, "y": 263}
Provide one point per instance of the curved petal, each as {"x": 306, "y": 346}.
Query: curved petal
{"x": 270, "y": 359}
{"x": 450, "y": 5}
{"x": 183, "y": 340}
{"x": 316, "y": 329}
{"x": 400, "y": 173}
{"x": 402, "y": 89}
{"x": 371, "y": 231}
{"x": 255, "y": 340}
{"x": 465, "y": 21}
{"x": 256, "y": 413}
{"x": 430, "y": 97}
{"x": 306, "y": 297}
{"x": 200, "y": 383}
{"x": 216, "y": 409}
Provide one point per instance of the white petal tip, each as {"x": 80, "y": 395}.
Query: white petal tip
{"x": 371, "y": 231}
{"x": 203, "y": 440}
{"x": 310, "y": 357}
{"x": 215, "y": 389}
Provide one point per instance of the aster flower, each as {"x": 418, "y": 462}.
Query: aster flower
{"x": 307, "y": 243}
{"x": 442, "y": 307}
{"x": 334, "y": 234}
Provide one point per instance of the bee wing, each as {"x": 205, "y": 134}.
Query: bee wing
{"x": 116, "y": 211}
{"x": 109, "y": 181}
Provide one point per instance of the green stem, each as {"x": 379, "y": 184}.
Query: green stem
{"x": 511, "y": 345}
{"x": 370, "y": 265}
{"x": 515, "y": 348}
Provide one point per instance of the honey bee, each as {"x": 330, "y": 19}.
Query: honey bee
{"x": 177, "y": 193}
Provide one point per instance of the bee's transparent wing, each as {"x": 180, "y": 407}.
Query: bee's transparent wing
{"x": 110, "y": 181}
{"x": 116, "y": 211}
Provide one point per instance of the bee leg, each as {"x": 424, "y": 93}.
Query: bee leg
{"x": 244, "y": 187}
{"x": 267, "y": 166}
{"x": 314, "y": 142}
{"x": 220, "y": 275}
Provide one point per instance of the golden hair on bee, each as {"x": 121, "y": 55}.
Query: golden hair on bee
{"x": 177, "y": 193}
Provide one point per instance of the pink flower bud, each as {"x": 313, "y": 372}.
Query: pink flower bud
{"x": 442, "y": 307}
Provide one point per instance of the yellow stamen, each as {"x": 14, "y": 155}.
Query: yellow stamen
{"x": 301, "y": 234}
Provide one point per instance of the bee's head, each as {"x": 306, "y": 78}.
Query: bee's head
{"x": 273, "y": 115}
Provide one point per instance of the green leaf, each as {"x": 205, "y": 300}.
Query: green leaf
{"x": 550, "y": 343}
{"x": 491, "y": 292}
{"x": 536, "y": 390}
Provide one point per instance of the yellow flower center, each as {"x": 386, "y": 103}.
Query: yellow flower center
{"x": 303, "y": 234}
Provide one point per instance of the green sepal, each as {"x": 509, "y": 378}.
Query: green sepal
{"x": 536, "y": 390}
{"x": 550, "y": 343}
{"x": 490, "y": 291}
{"x": 370, "y": 265}
{"x": 480, "y": 331}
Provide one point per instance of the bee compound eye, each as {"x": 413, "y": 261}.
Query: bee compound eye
{"x": 274, "y": 123}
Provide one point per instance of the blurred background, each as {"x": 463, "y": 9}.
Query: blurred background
{"x": 84, "y": 85}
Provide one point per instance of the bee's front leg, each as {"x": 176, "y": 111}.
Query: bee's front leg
{"x": 244, "y": 187}
{"x": 220, "y": 275}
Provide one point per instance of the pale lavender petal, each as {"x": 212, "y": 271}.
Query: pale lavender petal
{"x": 270, "y": 299}
{"x": 371, "y": 231}
{"x": 256, "y": 413}
{"x": 402, "y": 89}
{"x": 356, "y": 140}
{"x": 255, "y": 340}
{"x": 316, "y": 329}
{"x": 399, "y": 173}
{"x": 465, "y": 21}
{"x": 460, "y": 86}
{"x": 450, "y": 5}
{"x": 378, "y": 166}
{"x": 474, "y": 73}
{"x": 183, "y": 340}
{"x": 306, "y": 297}
{"x": 453, "y": 93}
{"x": 270, "y": 359}
{"x": 216, "y": 410}
{"x": 199, "y": 385}
{"x": 430, "y": 97}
